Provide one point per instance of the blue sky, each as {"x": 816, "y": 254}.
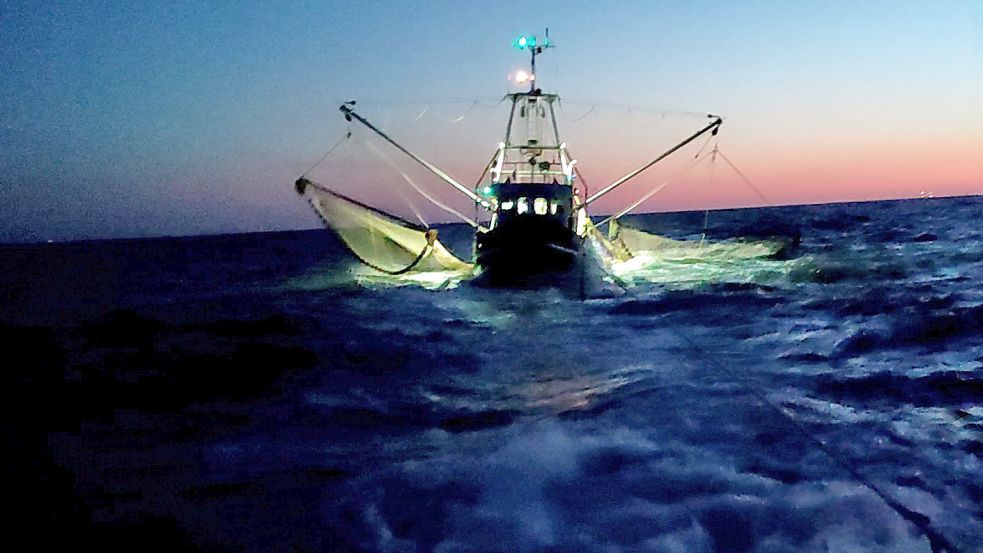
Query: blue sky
{"x": 141, "y": 119}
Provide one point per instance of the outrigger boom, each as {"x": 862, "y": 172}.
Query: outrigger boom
{"x": 712, "y": 128}
{"x": 350, "y": 113}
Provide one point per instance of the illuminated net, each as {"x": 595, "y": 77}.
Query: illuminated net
{"x": 380, "y": 240}
{"x": 684, "y": 263}
{"x": 388, "y": 244}
{"x": 637, "y": 241}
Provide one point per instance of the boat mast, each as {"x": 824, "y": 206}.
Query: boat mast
{"x": 531, "y": 150}
{"x": 529, "y": 42}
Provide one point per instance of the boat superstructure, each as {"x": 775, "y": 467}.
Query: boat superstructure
{"x": 535, "y": 227}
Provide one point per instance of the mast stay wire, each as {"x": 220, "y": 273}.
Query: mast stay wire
{"x": 580, "y": 118}
{"x": 630, "y": 108}
{"x": 607, "y": 121}
{"x": 481, "y": 101}
{"x": 428, "y": 108}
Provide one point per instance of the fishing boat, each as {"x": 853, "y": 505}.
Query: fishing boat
{"x": 535, "y": 227}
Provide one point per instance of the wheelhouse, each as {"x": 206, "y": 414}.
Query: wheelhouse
{"x": 532, "y": 173}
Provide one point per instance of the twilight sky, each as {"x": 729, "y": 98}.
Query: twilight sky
{"x": 142, "y": 119}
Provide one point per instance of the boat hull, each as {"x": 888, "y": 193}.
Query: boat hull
{"x": 528, "y": 251}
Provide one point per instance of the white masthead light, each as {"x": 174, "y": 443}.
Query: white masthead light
{"x": 523, "y": 77}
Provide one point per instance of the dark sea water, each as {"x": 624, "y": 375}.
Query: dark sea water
{"x": 245, "y": 393}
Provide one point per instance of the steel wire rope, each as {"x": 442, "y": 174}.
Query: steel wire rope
{"x": 706, "y": 212}
{"x": 399, "y": 190}
{"x": 345, "y": 138}
{"x": 422, "y": 192}
{"x": 647, "y": 109}
{"x": 577, "y": 119}
{"x": 490, "y": 101}
{"x": 938, "y": 542}
{"x": 745, "y": 179}
{"x": 661, "y": 186}
{"x": 457, "y": 119}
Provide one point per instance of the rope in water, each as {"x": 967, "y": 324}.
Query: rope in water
{"x": 938, "y": 542}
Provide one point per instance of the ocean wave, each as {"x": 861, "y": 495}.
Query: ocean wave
{"x": 939, "y": 388}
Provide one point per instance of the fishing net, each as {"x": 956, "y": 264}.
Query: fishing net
{"x": 686, "y": 263}
{"x": 637, "y": 241}
{"x": 397, "y": 252}
{"x": 382, "y": 241}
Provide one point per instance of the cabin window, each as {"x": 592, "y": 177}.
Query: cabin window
{"x": 521, "y": 206}
{"x": 539, "y": 206}
{"x": 553, "y": 206}
{"x": 507, "y": 205}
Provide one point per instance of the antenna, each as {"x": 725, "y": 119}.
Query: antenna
{"x": 529, "y": 42}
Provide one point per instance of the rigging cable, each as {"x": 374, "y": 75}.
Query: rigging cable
{"x": 582, "y": 117}
{"x": 704, "y": 145}
{"x": 744, "y": 178}
{"x": 457, "y": 119}
{"x": 428, "y": 108}
{"x": 938, "y": 542}
{"x": 706, "y": 212}
{"x": 423, "y": 193}
{"x": 654, "y": 191}
{"x": 326, "y": 154}
{"x": 644, "y": 109}
{"x": 481, "y": 101}
{"x": 399, "y": 190}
